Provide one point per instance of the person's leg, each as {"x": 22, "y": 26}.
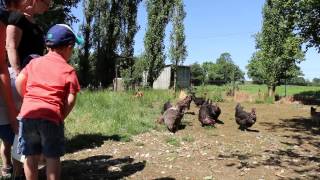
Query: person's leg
{"x": 17, "y": 168}
{"x": 52, "y": 137}
{"x": 29, "y": 145}
{"x": 6, "y": 154}
{"x": 53, "y": 168}
{"x": 31, "y": 167}
{"x": 7, "y": 136}
{"x": 6, "y": 169}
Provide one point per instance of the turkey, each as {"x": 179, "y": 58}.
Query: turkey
{"x": 209, "y": 113}
{"x": 245, "y": 119}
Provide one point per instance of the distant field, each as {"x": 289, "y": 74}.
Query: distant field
{"x": 280, "y": 90}
{"x": 252, "y": 89}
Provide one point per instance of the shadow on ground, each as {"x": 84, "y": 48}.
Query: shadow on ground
{"x": 299, "y": 152}
{"x": 165, "y": 178}
{"x": 301, "y": 125}
{"x": 88, "y": 141}
{"x": 100, "y": 167}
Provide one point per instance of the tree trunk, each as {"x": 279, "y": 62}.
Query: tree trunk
{"x": 271, "y": 90}
{"x": 175, "y": 77}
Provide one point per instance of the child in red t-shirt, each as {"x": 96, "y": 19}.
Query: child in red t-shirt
{"x": 49, "y": 86}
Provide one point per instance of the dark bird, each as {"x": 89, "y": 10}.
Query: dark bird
{"x": 185, "y": 103}
{"x": 315, "y": 115}
{"x": 166, "y": 106}
{"x": 209, "y": 113}
{"x": 216, "y": 111}
{"x": 172, "y": 118}
{"x": 245, "y": 119}
{"x": 197, "y": 100}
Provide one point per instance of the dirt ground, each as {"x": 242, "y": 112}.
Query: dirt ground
{"x": 283, "y": 144}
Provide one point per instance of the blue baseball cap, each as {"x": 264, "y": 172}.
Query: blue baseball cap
{"x": 60, "y": 35}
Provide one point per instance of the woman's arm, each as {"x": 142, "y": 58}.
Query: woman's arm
{"x": 5, "y": 85}
{"x": 13, "y": 39}
{"x": 21, "y": 83}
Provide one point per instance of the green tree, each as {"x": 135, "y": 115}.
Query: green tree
{"x": 178, "y": 49}
{"x": 278, "y": 50}
{"x": 209, "y": 69}
{"x": 300, "y": 81}
{"x": 158, "y": 18}
{"x": 225, "y": 71}
{"x": 105, "y": 39}
{"x": 109, "y": 31}
{"x": 255, "y": 69}
{"x": 128, "y": 31}
{"x": 59, "y": 12}
{"x": 304, "y": 15}
{"x": 308, "y": 21}
{"x": 316, "y": 81}
{"x": 134, "y": 75}
{"x": 84, "y": 65}
{"x": 197, "y": 74}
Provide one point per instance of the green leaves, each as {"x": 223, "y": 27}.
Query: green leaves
{"x": 222, "y": 72}
{"x": 158, "y": 18}
{"x": 278, "y": 49}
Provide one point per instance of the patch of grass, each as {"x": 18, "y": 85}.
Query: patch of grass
{"x": 188, "y": 138}
{"x": 259, "y": 101}
{"x": 115, "y": 113}
{"x": 269, "y": 100}
{"x": 173, "y": 141}
{"x": 209, "y": 127}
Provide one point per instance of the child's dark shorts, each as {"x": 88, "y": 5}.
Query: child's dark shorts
{"x": 41, "y": 136}
{"x": 6, "y": 133}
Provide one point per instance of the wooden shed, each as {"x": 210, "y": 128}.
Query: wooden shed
{"x": 166, "y": 78}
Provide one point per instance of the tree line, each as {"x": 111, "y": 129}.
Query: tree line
{"x": 222, "y": 72}
{"x": 109, "y": 30}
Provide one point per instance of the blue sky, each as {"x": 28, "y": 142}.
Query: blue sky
{"x": 213, "y": 27}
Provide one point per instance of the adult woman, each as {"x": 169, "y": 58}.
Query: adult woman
{"x": 24, "y": 36}
{"x": 8, "y": 110}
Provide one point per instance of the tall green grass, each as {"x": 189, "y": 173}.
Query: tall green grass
{"x": 109, "y": 113}
{"x": 212, "y": 92}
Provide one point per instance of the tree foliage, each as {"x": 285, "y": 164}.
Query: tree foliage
{"x": 278, "y": 49}
{"x": 197, "y": 74}
{"x": 59, "y": 12}
{"x": 178, "y": 49}
{"x": 304, "y": 15}
{"x": 308, "y": 21}
{"x": 158, "y": 18}
{"x": 109, "y": 29}
{"x": 223, "y": 71}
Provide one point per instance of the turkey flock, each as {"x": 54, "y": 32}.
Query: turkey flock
{"x": 208, "y": 113}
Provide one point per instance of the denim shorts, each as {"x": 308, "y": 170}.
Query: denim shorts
{"x": 41, "y": 136}
{"x": 6, "y": 133}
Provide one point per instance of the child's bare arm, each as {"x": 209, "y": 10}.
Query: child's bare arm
{"x": 21, "y": 83}
{"x": 70, "y": 102}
